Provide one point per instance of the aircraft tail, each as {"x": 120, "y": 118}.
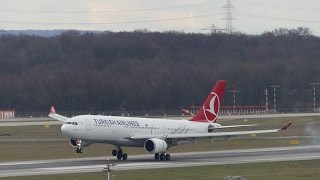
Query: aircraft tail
{"x": 209, "y": 110}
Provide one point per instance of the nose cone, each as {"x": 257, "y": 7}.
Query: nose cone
{"x": 65, "y": 129}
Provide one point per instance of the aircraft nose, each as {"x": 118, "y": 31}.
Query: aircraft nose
{"x": 64, "y": 129}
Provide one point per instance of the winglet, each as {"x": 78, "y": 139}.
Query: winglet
{"x": 56, "y": 116}
{"x": 52, "y": 110}
{"x": 285, "y": 127}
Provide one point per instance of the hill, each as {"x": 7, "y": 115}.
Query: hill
{"x": 153, "y": 70}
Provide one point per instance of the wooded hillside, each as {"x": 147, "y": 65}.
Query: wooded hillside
{"x": 152, "y": 70}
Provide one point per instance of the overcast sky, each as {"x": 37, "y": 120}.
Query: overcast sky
{"x": 252, "y": 16}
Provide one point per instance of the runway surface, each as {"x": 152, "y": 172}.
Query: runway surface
{"x": 62, "y": 166}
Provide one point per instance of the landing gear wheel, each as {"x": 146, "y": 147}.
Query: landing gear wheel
{"x": 114, "y": 152}
{"x": 124, "y": 156}
{"x": 168, "y": 157}
{"x": 120, "y": 152}
{"x": 119, "y": 156}
{"x": 79, "y": 150}
{"x": 156, "y": 156}
{"x": 162, "y": 156}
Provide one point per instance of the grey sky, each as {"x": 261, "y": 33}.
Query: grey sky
{"x": 252, "y": 16}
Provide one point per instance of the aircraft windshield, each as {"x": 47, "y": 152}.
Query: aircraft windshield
{"x": 73, "y": 123}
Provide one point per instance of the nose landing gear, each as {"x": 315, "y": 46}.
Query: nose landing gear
{"x": 79, "y": 148}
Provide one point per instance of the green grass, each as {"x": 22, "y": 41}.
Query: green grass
{"x": 294, "y": 170}
{"x": 58, "y": 150}
{"x": 16, "y": 132}
{"x": 18, "y": 151}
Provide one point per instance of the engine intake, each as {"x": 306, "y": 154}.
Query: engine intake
{"x": 73, "y": 143}
{"x": 154, "y": 145}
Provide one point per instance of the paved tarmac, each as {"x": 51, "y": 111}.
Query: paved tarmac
{"x": 63, "y": 166}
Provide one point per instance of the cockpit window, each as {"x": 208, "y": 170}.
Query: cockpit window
{"x": 73, "y": 123}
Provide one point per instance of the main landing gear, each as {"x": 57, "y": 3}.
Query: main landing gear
{"x": 119, "y": 153}
{"x": 162, "y": 156}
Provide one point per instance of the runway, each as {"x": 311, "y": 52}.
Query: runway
{"x": 62, "y": 166}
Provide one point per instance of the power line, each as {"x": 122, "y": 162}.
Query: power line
{"x": 98, "y": 11}
{"x": 277, "y": 18}
{"x": 213, "y": 29}
{"x": 271, "y": 5}
{"x": 110, "y": 23}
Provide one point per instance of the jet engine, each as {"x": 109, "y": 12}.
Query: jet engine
{"x": 74, "y": 142}
{"x": 155, "y": 145}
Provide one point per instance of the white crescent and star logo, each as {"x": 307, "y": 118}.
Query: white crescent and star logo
{"x": 212, "y": 111}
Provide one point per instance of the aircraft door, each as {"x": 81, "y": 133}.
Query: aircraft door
{"x": 88, "y": 126}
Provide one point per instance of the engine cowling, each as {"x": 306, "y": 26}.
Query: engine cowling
{"x": 154, "y": 145}
{"x": 74, "y": 142}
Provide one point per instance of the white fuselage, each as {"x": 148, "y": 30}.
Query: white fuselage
{"x": 117, "y": 130}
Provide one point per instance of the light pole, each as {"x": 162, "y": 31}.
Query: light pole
{"x": 234, "y": 98}
{"x": 274, "y": 96}
{"x": 108, "y": 169}
{"x": 267, "y": 105}
{"x": 314, "y": 94}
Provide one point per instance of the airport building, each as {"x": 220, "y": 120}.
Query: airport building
{"x": 6, "y": 114}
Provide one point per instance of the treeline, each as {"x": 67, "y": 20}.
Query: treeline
{"x": 153, "y": 70}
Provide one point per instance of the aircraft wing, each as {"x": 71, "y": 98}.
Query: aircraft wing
{"x": 56, "y": 116}
{"x": 200, "y": 135}
{"x": 235, "y": 126}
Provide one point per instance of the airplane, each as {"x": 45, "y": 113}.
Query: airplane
{"x": 156, "y": 136}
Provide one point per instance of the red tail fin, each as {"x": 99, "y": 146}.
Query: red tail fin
{"x": 209, "y": 110}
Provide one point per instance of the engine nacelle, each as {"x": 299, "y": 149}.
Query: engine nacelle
{"x": 155, "y": 145}
{"x": 74, "y": 142}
